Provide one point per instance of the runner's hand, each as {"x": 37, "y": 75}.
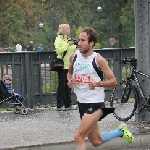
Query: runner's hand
{"x": 92, "y": 85}
{"x": 70, "y": 83}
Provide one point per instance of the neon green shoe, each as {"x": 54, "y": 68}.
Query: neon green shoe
{"x": 127, "y": 134}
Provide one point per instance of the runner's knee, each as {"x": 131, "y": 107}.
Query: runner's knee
{"x": 78, "y": 138}
{"x": 96, "y": 142}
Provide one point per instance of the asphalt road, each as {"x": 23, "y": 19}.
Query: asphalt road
{"x": 48, "y": 129}
{"x": 147, "y": 147}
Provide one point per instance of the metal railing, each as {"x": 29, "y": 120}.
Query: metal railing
{"x": 31, "y": 74}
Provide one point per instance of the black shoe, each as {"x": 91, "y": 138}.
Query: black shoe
{"x": 61, "y": 108}
{"x": 71, "y": 108}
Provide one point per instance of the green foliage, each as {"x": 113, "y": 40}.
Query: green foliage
{"x": 20, "y": 21}
{"x": 97, "y": 46}
{"x": 78, "y": 31}
{"x": 126, "y": 71}
{"x": 14, "y": 19}
{"x": 48, "y": 88}
{"x": 6, "y": 109}
{"x": 127, "y": 24}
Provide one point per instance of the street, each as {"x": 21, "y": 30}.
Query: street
{"x": 147, "y": 147}
{"x": 50, "y": 129}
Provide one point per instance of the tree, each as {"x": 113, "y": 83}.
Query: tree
{"x": 77, "y": 13}
{"x": 14, "y": 21}
{"x": 15, "y": 16}
{"x": 128, "y": 28}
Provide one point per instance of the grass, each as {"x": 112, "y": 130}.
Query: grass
{"x": 6, "y": 109}
{"x": 39, "y": 106}
{"x": 54, "y": 105}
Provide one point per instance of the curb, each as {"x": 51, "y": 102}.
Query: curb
{"x": 139, "y": 140}
{"x": 50, "y": 137}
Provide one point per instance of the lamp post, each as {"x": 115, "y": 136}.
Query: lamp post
{"x": 51, "y": 29}
{"x": 111, "y": 20}
{"x": 99, "y": 8}
{"x": 41, "y": 26}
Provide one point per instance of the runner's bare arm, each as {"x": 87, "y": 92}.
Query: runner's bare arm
{"x": 110, "y": 78}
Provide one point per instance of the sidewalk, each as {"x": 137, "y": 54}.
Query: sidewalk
{"x": 48, "y": 129}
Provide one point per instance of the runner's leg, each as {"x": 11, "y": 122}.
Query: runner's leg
{"x": 88, "y": 123}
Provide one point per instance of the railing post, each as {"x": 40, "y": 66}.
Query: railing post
{"x": 27, "y": 72}
{"x": 28, "y": 80}
{"x": 142, "y": 52}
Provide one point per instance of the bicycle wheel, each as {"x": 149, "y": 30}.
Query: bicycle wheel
{"x": 124, "y": 98}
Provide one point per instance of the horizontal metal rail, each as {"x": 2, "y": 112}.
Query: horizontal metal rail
{"x": 31, "y": 74}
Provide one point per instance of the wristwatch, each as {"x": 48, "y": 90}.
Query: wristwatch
{"x": 102, "y": 83}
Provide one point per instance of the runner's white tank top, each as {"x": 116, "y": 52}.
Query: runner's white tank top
{"x": 83, "y": 73}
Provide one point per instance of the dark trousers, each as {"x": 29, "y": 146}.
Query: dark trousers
{"x": 63, "y": 91}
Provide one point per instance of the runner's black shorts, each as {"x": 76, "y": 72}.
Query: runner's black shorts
{"x": 90, "y": 108}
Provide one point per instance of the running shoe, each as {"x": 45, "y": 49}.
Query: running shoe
{"x": 127, "y": 134}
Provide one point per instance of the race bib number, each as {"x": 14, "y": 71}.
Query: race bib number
{"x": 82, "y": 79}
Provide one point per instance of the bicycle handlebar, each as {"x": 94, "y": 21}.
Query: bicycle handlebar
{"x": 132, "y": 61}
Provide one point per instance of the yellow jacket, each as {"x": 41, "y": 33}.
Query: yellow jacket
{"x": 61, "y": 45}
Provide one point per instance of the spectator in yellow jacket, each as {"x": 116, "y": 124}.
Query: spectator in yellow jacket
{"x": 63, "y": 45}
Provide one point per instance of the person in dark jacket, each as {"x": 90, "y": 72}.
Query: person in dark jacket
{"x": 30, "y": 46}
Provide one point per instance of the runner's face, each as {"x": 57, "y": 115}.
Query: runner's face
{"x": 83, "y": 44}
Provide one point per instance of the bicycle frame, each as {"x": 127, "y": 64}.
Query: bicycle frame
{"x": 130, "y": 90}
{"x": 133, "y": 77}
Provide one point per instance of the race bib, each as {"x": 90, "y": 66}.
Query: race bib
{"x": 82, "y": 79}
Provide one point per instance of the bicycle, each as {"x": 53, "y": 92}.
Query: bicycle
{"x": 128, "y": 93}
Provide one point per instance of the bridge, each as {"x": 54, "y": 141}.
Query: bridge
{"x": 32, "y": 75}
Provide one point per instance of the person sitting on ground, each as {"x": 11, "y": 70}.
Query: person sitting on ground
{"x": 7, "y": 82}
